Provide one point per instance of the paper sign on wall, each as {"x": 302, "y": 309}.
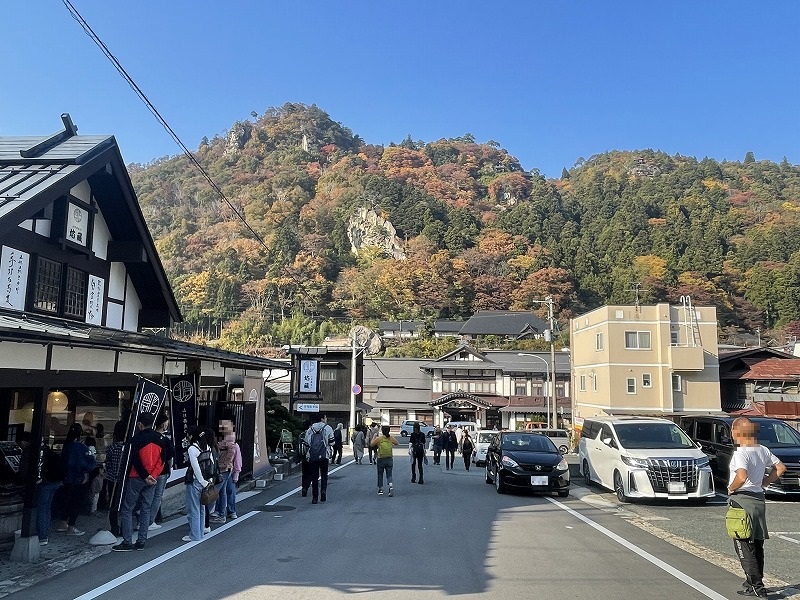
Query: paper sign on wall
{"x": 13, "y": 278}
{"x": 94, "y": 300}
{"x": 77, "y": 224}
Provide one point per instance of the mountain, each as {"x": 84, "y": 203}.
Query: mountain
{"x": 355, "y": 231}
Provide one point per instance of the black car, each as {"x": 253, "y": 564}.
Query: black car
{"x": 713, "y": 434}
{"x": 526, "y": 461}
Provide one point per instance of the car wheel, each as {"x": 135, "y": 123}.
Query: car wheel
{"x": 586, "y": 473}
{"x": 563, "y": 494}
{"x": 403, "y": 434}
{"x": 498, "y": 483}
{"x": 488, "y": 477}
{"x": 619, "y": 487}
{"x": 563, "y": 449}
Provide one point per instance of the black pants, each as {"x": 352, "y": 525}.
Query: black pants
{"x": 305, "y": 477}
{"x": 437, "y": 455}
{"x": 416, "y": 463}
{"x": 74, "y": 494}
{"x": 337, "y": 451}
{"x": 467, "y": 460}
{"x": 373, "y": 454}
{"x": 318, "y": 471}
{"x": 751, "y": 555}
{"x": 449, "y": 458}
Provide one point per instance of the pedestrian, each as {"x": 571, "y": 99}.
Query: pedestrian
{"x": 305, "y": 466}
{"x": 337, "y": 445}
{"x": 467, "y": 448}
{"x": 437, "y": 445}
{"x": 747, "y": 480}
{"x": 213, "y": 447}
{"x": 230, "y": 465}
{"x": 449, "y": 445}
{"x": 416, "y": 448}
{"x": 52, "y": 476}
{"x": 371, "y": 435}
{"x": 168, "y": 457}
{"x": 385, "y": 461}
{"x": 319, "y": 438}
{"x": 147, "y": 463}
{"x": 112, "y": 478}
{"x": 358, "y": 439}
{"x": 77, "y": 462}
{"x": 195, "y": 481}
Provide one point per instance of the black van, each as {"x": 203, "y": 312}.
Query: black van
{"x": 714, "y": 436}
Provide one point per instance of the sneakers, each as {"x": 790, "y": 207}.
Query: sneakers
{"x": 124, "y": 547}
{"x": 314, "y": 501}
{"x": 233, "y": 516}
{"x": 61, "y": 527}
{"x": 186, "y": 538}
{"x": 217, "y": 519}
{"x": 154, "y": 526}
{"x": 391, "y": 490}
{"x": 323, "y": 497}
{"x": 139, "y": 545}
{"x": 44, "y": 542}
{"x": 74, "y": 531}
{"x": 304, "y": 493}
{"x": 207, "y": 530}
{"x": 380, "y": 491}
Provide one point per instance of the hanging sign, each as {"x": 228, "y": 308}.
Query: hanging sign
{"x": 309, "y": 377}
{"x": 13, "y": 278}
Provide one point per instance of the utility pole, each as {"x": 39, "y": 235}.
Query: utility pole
{"x": 551, "y": 404}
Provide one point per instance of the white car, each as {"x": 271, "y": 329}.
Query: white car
{"x": 643, "y": 458}
{"x": 483, "y": 439}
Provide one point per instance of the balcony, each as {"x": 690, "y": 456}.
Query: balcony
{"x": 686, "y": 358}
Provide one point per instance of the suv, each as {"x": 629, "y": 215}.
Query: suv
{"x": 713, "y": 434}
{"x": 483, "y": 439}
{"x": 643, "y": 458}
{"x": 407, "y": 428}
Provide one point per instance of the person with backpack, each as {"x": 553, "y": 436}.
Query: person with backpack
{"x": 383, "y": 443}
{"x": 305, "y": 466}
{"x": 337, "y": 445}
{"x": 467, "y": 448}
{"x": 371, "y": 435}
{"x": 230, "y": 465}
{"x": 197, "y": 478}
{"x": 753, "y": 467}
{"x": 52, "y": 476}
{"x": 416, "y": 448}
{"x": 319, "y": 438}
{"x": 146, "y": 452}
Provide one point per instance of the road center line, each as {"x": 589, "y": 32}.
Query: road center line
{"x": 680, "y": 575}
{"x": 115, "y": 583}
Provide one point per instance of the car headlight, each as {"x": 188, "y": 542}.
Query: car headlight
{"x": 562, "y": 466}
{"x": 635, "y": 462}
{"x": 702, "y": 462}
{"x": 509, "y": 462}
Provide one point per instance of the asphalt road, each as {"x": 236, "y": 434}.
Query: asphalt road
{"x": 452, "y": 536}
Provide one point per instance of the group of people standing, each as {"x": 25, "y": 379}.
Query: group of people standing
{"x": 450, "y": 440}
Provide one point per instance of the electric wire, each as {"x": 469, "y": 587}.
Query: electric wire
{"x": 151, "y": 107}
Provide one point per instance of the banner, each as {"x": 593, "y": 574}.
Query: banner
{"x": 254, "y": 392}
{"x": 149, "y": 398}
{"x": 13, "y": 277}
{"x": 182, "y": 414}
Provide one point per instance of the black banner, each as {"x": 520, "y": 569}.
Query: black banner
{"x": 183, "y": 413}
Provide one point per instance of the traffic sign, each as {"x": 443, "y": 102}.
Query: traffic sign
{"x": 356, "y": 389}
{"x": 307, "y": 407}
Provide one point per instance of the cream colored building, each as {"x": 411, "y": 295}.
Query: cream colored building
{"x": 653, "y": 360}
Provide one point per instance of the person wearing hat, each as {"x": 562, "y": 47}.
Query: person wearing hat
{"x": 147, "y": 463}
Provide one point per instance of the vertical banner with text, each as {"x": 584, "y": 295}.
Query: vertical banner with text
{"x": 254, "y": 392}
{"x": 183, "y": 413}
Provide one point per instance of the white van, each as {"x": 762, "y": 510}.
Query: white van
{"x": 483, "y": 439}
{"x": 470, "y": 426}
{"x": 643, "y": 458}
{"x": 560, "y": 437}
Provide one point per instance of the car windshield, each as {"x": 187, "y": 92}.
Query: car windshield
{"x": 777, "y": 434}
{"x": 528, "y": 443}
{"x": 652, "y": 435}
{"x": 486, "y": 438}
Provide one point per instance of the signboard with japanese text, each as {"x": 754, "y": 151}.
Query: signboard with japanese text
{"x": 13, "y": 278}
{"x": 308, "y": 377}
{"x": 183, "y": 414}
{"x": 94, "y": 300}
{"x": 77, "y": 224}
{"x": 254, "y": 392}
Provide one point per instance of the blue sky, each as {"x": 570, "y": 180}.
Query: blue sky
{"x": 549, "y": 81}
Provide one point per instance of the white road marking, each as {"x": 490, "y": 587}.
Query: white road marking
{"x": 115, "y": 583}
{"x": 679, "y": 575}
{"x": 788, "y": 539}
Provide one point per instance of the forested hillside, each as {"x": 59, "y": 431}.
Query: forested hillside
{"x": 440, "y": 229}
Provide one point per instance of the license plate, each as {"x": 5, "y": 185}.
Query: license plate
{"x": 676, "y": 487}
{"x": 539, "y": 480}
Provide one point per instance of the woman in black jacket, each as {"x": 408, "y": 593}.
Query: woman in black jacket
{"x": 416, "y": 445}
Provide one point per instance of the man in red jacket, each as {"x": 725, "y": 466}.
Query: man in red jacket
{"x": 146, "y": 465}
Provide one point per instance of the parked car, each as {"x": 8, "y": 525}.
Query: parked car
{"x": 471, "y": 426}
{"x": 560, "y": 437}
{"x": 483, "y": 439}
{"x": 407, "y": 428}
{"x": 528, "y": 461}
{"x": 713, "y": 434}
{"x": 644, "y": 458}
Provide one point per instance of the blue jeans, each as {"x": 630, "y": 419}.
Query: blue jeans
{"x": 44, "y": 500}
{"x": 385, "y": 464}
{"x": 136, "y": 491}
{"x": 161, "y": 483}
{"x": 195, "y": 512}
{"x": 226, "y": 503}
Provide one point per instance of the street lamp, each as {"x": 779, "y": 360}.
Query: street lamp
{"x": 551, "y": 395}
{"x": 551, "y": 320}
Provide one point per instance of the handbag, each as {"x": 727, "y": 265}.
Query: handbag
{"x": 738, "y": 522}
{"x": 209, "y": 495}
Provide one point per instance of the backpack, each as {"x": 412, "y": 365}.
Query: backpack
{"x": 385, "y": 448}
{"x": 419, "y": 447}
{"x": 738, "y": 523}
{"x": 318, "y": 448}
{"x": 208, "y": 467}
{"x": 467, "y": 446}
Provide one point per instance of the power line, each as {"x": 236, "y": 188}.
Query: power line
{"x": 143, "y": 97}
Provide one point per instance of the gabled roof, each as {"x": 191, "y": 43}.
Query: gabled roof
{"x": 737, "y": 364}
{"x": 503, "y": 322}
{"x": 447, "y": 360}
{"x": 36, "y": 170}
{"x": 448, "y": 326}
{"x": 773, "y": 369}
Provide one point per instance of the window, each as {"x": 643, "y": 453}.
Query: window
{"x": 594, "y": 383}
{"x": 647, "y": 380}
{"x": 47, "y": 289}
{"x": 520, "y": 387}
{"x": 397, "y": 417}
{"x": 637, "y": 340}
{"x": 631, "y": 384}
{"x": 704, "y": 431}
{"x": 676, "y": 383}
{"x": 75, "y": 299}
{"x": 327, "y": 374}
{"x": 598, "y": 341}
{"x": 674, "y": 338}
{"x": 582, "y": 383}
{"x": 537, "y": 388}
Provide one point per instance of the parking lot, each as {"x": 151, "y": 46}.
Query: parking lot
{"x": 700, "y": 529}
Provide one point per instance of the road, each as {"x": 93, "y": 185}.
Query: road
{"x": 452, "y": 536}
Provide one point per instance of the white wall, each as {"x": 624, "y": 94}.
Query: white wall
{"x": 100, "y": 237}
{"x": 132, "y": 308}
{"x": 116, "y": 283}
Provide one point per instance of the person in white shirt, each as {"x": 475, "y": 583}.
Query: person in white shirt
{"x": 748, "y": 477}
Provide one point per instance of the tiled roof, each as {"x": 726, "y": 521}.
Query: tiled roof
{"x": 503, "y": 322}
{"x": 773, "y": 368}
